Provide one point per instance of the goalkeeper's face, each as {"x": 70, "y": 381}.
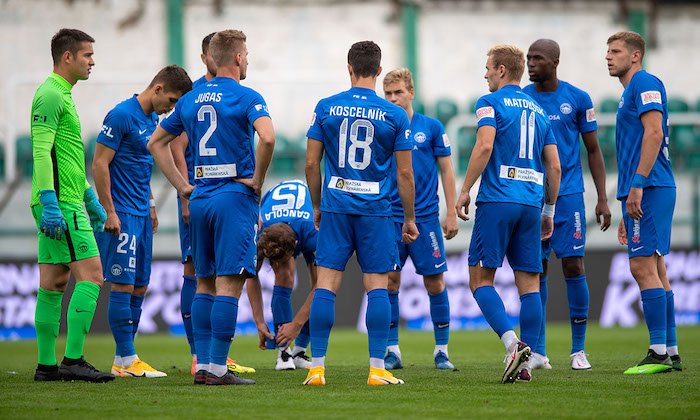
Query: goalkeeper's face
{"x": 81, "y": 62}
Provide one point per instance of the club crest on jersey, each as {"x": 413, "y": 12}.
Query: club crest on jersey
{"x": 565, "y": 108}
{"x": 622, "y": 102}
{"x": 419, "y": 137}
{"x": 116, "y": 270}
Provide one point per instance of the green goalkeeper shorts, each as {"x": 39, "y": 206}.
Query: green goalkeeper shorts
{"x": 78, "y": 242}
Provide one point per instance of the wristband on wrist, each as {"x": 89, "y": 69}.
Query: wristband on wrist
{"x": 152, "y": 202}
{"x": 548, "y": 210}
{"x": 639, "y": 181}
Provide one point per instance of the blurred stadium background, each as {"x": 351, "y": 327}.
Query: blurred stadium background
{"x": 297, "y": 55}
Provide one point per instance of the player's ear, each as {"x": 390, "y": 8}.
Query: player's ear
{"x": 158, "y": 88}
{"x": 379, "y": 71}
{"x": 350, "y": 69}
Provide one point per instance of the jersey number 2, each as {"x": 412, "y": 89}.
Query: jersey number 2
{"x": 203, "y": 149}
{"x": 355, "y": 144}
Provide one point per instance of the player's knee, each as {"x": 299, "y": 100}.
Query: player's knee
{"x": 434, "y": 284}
{"x": 644, "y": 271}
{"x": 394, "y": 281}
{"x": 140, "y": 290}
{"x": 124, "y": 288}
{"x": 572, "y": 267}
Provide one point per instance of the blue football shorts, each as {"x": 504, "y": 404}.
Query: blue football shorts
{"x": 371, "y": 237}
{"x": 126, "y": 258}
{"x": 428, "y": 251}
{"x": 185, "y": 242}
{"x": 569, "y": 236}
{"x": 507, "y": 229}
{"x": 652, "y": 233}
{"x": 224, "y": 230}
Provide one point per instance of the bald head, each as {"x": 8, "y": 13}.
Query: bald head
{"x": 548, "y": 47}
{"x": 542, "y": 61}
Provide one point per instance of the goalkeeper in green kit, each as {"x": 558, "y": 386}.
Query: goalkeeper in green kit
{"x": 60, "y": 196}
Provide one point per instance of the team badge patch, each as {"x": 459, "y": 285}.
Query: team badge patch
{"x": 565, "y": 108}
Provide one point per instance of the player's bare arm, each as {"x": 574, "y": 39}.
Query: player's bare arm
{"x": 154, "y": 216}
{"x": 407, "y": 193}
{"x": 158, "y": 145}
{"x": 597, "y": 167}
{"x": 651, "y": 142}
{"x": 485, "y": 136}
{"x": 288, "y": 332}
{"x": 263, "y": 155}
{"x": 447, "y": 174}
{"x": 103, "y": 184}
{"x": 177, "y": 148}
{"x": 254, "y": 290}
{"x": 314, "y": 154}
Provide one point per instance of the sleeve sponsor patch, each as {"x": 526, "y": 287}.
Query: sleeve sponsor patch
{"x": 445, "y": 141}
{"x": 313, "y": 120}
{"x": 590, "y": 115}
{"x": 485, "y": 112}
{"x": 651, "y": 96}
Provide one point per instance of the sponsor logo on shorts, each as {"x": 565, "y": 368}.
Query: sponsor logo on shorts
{"x": 132, "y": 262}
{"x": 419, "y": 137}
{"x": 636, "y": 232}
{"x": 83, "y": 247}
{"x": 577, "y": 226}
{"x": 116, "y": 270}
{"x": 650, "y": 96}
{"x": 635, "y": 249}
{"x": 565, "y": 108}
{"x": 435, "y": 245}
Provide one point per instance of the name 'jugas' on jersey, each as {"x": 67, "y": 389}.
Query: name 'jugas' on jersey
{"x": 357, "y": 112}
{"x": 208, "y": 97}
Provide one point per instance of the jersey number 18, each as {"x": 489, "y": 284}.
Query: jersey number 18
{"x": 355, "y": 144}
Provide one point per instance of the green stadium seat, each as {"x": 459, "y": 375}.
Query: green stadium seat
{"x": 23, "y": 156}
{"x": 90, "y": 146}
{"x": 677, "y": 105}
{"x": 445, "y": 109}
{"x": 683, "y": 144}
{"x": 284, "y": 161}
{"x": 2, "y": 162}
{"x": 606, "y": 139}
{"x": 697, "y": 105}
{"x": 466, "y": 139}
{"x": 609, "y": 105}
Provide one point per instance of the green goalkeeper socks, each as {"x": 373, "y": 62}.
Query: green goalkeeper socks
{"x": 81, "y": 309}
{"x": 46, "y": 321}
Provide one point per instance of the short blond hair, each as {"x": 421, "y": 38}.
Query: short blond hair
{"x": 632, "y": 40}
{"x": 225, "y": 45}
{"x": 510, "y": 57}
{"x": 400, "y": 74}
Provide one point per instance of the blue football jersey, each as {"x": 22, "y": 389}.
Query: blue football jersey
{"x": 514, "y": 173}
{"x": 286, "y": 202}
{"x": 189, "y": 157}
{"x": 429, "y": 142}
{"x": 645, "y": 92}
{"x": 126, "y": 130}
{"x": 218, "y": 118}
{"x": 571, "y": 113}
{"x": 360, "y": 132}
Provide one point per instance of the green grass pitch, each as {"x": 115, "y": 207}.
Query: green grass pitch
{"x": 472, "y": 390}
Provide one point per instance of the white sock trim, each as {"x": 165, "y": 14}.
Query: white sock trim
{"x": 440, "y": 348}
{"x": 376, "y": 363}
{"x": 318, "y": 361}
{"x": 509, "y": 338}
{"x": 672, "y": 350}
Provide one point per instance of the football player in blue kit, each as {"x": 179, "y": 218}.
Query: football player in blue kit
{"x": 516, "y": 156}
{"x": 220, "y": 118}
{"x": 182, "y": 155}
{"x": 122, "y": 170}
{"x": 431, "y": 149}
{"x": 572, "y": 116}
{"x": 357, "y": 133}
{"x": 647, "y": 191}
{"x": 288, "y": 231}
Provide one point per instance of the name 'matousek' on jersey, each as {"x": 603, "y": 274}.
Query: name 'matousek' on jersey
{"x": 515, "y": 172}
{"x": 360, "y": 132}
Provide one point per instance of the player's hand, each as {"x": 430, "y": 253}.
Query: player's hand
{"x": 186, "y": 191}
{"x": 287, "y": 333}
{"x": 154, "y": 220}
{"x": 622, "y": 233}
{"x": 317, "y": 218}
{"x": 263, "y": 334}
{"x": 463, "y": 205}
{"x": 450, "y": 226}
{"x": 634, "y": 203}
{"x": 602, "y": 209}
{"x": 252, "y": 183}
{"x": 409, "y": 232}
{"x": 547, "y": 227}
{"x": 113, "y": 225}
{"x": 97, "y": 213}
{"x": 52, "y": 223}
{"x": 185, "y": 206}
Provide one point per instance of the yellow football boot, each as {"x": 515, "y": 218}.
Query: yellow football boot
{"x": 141, "y": 369}
{"x": 316, "y": 376}
{"x": 379, "y": 377}
{"x": 234, "y": 367}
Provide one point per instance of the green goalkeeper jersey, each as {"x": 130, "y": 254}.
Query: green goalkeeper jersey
{"x": 57, "y": 146}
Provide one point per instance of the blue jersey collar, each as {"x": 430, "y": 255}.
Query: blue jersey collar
{"x": 363, "y": 90}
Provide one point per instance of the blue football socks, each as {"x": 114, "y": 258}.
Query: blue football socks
{"x": 201, "y": 326}
{"x": 492, "y": 307}
{"x": 321, "y": 321}
{"x": 530, "y": 317}
{"x": 577, "y": 292}
{"x": 189, "y": 286}
{"x": 136, "y": 304}
{"x": 395, "y": 317}
{"x": 224, "y": 312}
{"x": 671, "y": 340}
{"x": 654, "y": 307}
{"x": 541, "y": 346}
{"x": 440, "y": 314}
{"x": 119, "y": 316}
{"x": 378, "y": 318}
